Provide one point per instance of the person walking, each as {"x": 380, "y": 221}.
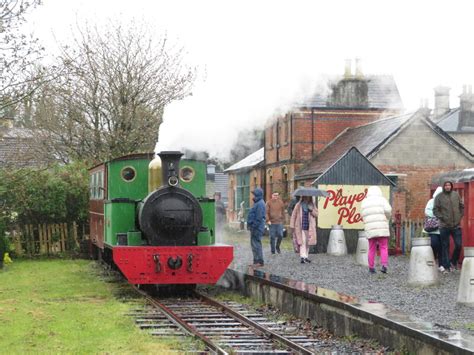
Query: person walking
{"x": 275, "y": 217}
{"x": 256, "y": 226}
{"x": 303, "y": 226}
{"x": 376, "y": 212}
{"x": 449, "y": 209}
{"x": 432, "y": 230}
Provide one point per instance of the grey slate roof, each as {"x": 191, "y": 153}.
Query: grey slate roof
{"x": 367, "y": 139}
{"x": 382, "y": 94}
{"x": 248, "y": 162}
{"x": 17, "y": 148}
{"x": 454, "y": 176}
{"x": 450, "y": 120}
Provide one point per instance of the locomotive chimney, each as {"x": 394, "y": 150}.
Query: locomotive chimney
{"x": 170, "y": 167}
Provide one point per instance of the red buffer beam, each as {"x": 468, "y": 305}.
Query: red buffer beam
{"x": 173, "y": 265}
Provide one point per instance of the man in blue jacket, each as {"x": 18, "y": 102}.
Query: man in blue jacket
{"x": 256, "y": 226}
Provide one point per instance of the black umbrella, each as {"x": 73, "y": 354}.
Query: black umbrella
{"x": 310, "y": 191}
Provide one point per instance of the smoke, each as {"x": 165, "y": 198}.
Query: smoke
{"x": 261, "y": 56}
{"x": 227, "y": 114}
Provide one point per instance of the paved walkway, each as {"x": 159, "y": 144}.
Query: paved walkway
{"x": 436, "y": 304}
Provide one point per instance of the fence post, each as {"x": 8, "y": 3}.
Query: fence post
{"x": 50, "y": 238}
{"x": 62, "y": 226}
{"x": 17, "y": 242}
{"x": 398, "y": 219}
{"x": 74, "y": 233}
{"x": 45, "y": 238}
{"x": 57, "y": 234}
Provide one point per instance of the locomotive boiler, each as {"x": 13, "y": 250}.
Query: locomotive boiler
{"x": 152, "y": 220}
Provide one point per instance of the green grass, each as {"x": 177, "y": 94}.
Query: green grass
{"x": 63, "y": 306}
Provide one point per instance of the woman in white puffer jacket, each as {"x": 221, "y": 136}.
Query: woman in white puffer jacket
{"x": 376, "y": 211}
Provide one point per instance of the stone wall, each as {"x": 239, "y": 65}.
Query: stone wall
{"x": 417, "y": 154}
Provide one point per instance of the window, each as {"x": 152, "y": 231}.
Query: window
{"x": 270, "y": 180}
{"x": 270, "y": 141}
{"x": 91, "y": 186}
{"x": 96, "y": 185}
{"x": 284, "y": 173}
{"x": 100, "y": 185}
{"x": 287, "y": 129}
{"x": 242, "y": 191}
{"x": 128, "y": 173}
{"x": 187, "y": 174}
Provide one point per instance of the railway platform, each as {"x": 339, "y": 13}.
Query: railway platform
{"x": 342, "y": 296}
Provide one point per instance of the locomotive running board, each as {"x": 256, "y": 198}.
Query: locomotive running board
{"x": 173, "y": 265}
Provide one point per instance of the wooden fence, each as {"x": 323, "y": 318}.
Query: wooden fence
{"x": 409, "y": 229}
{"x": 45, "y": 239}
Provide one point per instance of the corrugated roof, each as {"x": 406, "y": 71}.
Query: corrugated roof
{"x": 382, "y": 94}
{"x": 366, "y": 139}
{"x": 353, "y": 168}
{"x": 248, "y": 162}
{"x": 221, "y": 183}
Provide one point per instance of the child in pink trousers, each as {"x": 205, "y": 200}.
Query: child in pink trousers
{"x": 376, "y": 211}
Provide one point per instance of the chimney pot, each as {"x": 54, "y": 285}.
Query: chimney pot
{"x": 441, "y": 101}
{"x": 358, "y": 69}
{"x": 466, "y": 114}
{"x": 348, "y": 69}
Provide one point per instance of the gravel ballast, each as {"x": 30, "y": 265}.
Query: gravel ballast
{"x": 436, "y": 304}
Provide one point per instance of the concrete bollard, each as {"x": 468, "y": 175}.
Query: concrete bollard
{"x": 466, "y": 281}
{"x": 362, "y": 256}
{"x": 422, "y": 270}
{"x": 337, "y": 241}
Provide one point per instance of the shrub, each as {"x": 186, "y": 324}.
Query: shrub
{"x": 56, "y": 195}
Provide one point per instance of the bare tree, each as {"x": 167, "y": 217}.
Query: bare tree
{"x": 19, "y": 54}
{"x": 110, "y": 96}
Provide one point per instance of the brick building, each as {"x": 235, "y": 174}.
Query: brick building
{"x": 410, "y": 149}
{"x": 298, "y": 136}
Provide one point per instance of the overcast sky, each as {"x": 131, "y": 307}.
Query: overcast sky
{"x": 258, "y": 56}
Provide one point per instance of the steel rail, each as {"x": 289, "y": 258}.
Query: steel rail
{"x": 241, "y": 318}
{"x": 182, "y": 324}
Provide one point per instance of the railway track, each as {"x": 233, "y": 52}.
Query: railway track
{"x": 224, "y": 327}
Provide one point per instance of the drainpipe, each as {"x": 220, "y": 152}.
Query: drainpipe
{"x": 312, "y": 132}
{"x": 277, "y": 141}
{"x": 264, "y": 172}
{"x": 291, "y": 136}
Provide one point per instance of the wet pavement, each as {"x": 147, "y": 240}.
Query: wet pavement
{"x": 344, "y": 274}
